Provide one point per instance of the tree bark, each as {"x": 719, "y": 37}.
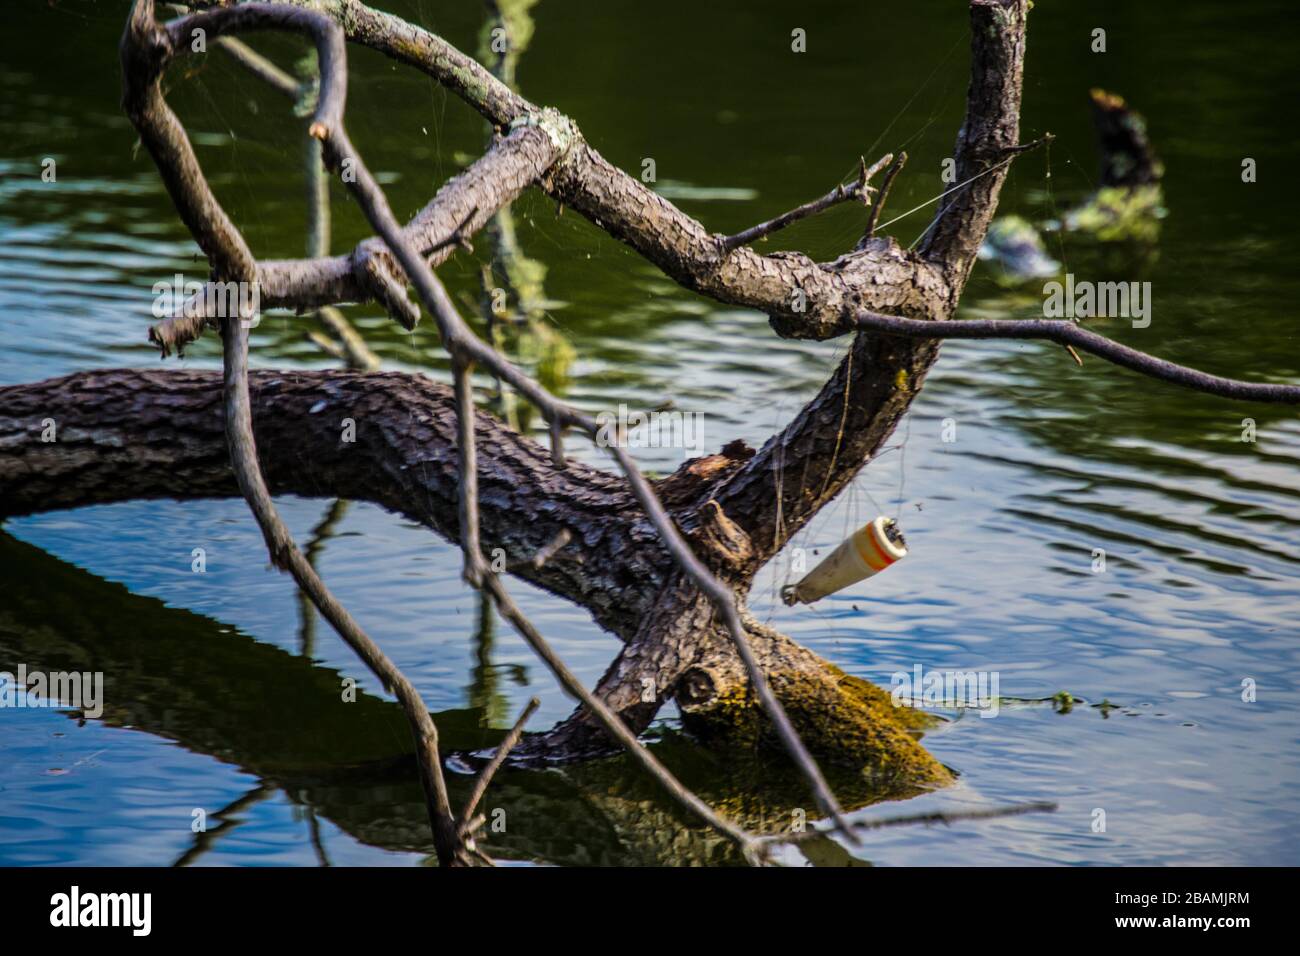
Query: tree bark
{"x": 459, "y": 209}
{"x": 623, "y": 206}
{"x": 747, "y": 514}
{"x": 138, "y": 434}
{"x": 124, "y": 434}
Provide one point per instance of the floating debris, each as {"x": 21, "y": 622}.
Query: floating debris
{"x": 1015, "y": 246}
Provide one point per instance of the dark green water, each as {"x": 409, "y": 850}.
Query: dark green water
{"x": 219, "y": 697}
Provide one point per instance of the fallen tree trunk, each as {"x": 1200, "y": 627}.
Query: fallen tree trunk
{"x": 141, "y": 434}
{"x": 666, "y": 568}
{"x": 123, "y": 434}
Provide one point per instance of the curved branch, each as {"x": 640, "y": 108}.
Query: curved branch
{"x": 1067, "y": 333}
{"x": 990, "y": 135}
{"x": 145, "y": 50}
{"x": 124, "y": 434}
{"x": 859, "y": 190}
{"x": 631, "y": 212}
{"x": 812, "y": 459}
{"x": 262, "y": 68}
{"x": 459, "y": 209}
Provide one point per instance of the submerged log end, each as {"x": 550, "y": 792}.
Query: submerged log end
{"x": 847, "y": 722}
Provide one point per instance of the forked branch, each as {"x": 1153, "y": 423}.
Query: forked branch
{"x": 863, "y": 397}
{"x": 146, "y": 51}
{"x": 860, "y": 189}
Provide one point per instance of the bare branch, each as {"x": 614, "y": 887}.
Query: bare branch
{"x": 346, "y": 340}
{"x": 841, "y": 193}
{"x": 475, "y": 568}
{"x": 351, "y": 347}
{"x": 144, "y": 54}
{"x": 460, "y": 208}
{"x": 879, "y": 205}
{"x": 557, "y": 443}
{"x": 947, "y": 818}
{"x": 459, "y": 236}
{"x": 1067, "y": 333}
{"x": 1030, "y": 146}
{"x": 145, "y": 49}
{"x": 551, "y": 548}
{"x": 484, "y": 779}
{"x": 261, "y": 67}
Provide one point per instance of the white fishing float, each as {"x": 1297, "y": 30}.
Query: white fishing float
{"x": 865, "y": 553}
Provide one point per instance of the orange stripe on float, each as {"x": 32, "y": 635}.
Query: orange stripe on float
{"x": 884, "y": 555}
{"x": 881, "y": 561}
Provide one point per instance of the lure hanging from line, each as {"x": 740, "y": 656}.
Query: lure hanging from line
{"x": 866, "y": 552}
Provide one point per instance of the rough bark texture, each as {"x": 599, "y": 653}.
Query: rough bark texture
{"x": 465, "y": 204}
{"x": 139, "y": 434}
{"x": 777, "y": 491}
{"x": 625, "y": 208}
{"x": 124, "y": 434}
{"x": 690, "y": 254}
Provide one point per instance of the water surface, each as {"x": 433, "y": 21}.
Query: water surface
{"x": 227, "y": 701}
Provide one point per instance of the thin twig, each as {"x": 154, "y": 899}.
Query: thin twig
{"x": 348, "y": 342}
{"x": 557, "y": 443}
{"x": 261, "y": 67}
{"x": 484, "y": 779}
{"x": 320, "y": 534}
{"x": 767, "y": 843}
{"x": 839, "y": 194}
{"x": 352, "y": 347}
{"x": 469, "y": 525}
{"x": 879, "y": 205}
{"x": 1068, "y": 333}
{"x": 544, "y": 553}
{"x": 1026, "y": 147}
{"x": 459, "y": 236}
